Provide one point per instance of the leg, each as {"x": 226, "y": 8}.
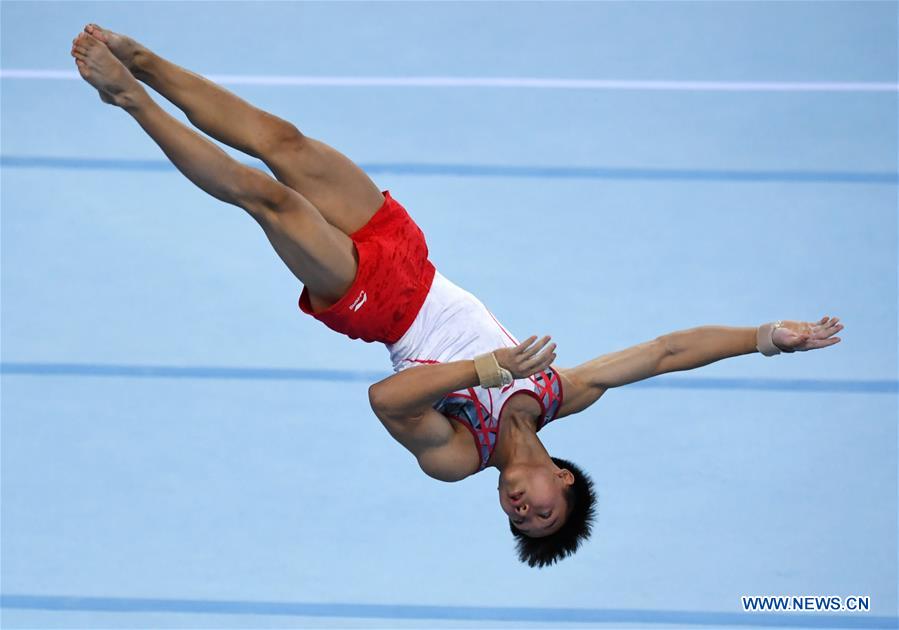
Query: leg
{"x": 342, "y": 192}
{"x": 320, "y": 255}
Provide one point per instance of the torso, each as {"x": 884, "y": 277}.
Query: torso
{"x": 518, "y": 405}
{"x": 454, "y": 325}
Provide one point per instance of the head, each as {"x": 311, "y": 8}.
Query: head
{"x": 550, "y": 509}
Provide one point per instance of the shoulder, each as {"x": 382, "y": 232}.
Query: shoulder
{"x": 579, "y": 392}
{"x": 453, "y": 460}
{"x": 444, "y": 449}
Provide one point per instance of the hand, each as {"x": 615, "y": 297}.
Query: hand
{"x": 526, "y": 358}
{"x": 791, "y": 336}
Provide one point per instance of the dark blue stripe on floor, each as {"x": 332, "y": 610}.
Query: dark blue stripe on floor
{"x": 189, "y": 372}
{"x": 455, "y": 613}
{"x": 488, "y": 170}
{"x": 369, "y": 376}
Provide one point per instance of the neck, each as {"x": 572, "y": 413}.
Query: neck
{"x": 517, "y": 442}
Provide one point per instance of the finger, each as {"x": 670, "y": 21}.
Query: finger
{"x": 822, "y": 343}
{"x": 538, "y": 360}
{"x": 524, "y": 344}
{"x": 540, "y": 345}
{"x": 828, "y": 331}
{"x": 545, "y": 364}
{"x": 533, "y": 349}
{"x": 545, "y": 361}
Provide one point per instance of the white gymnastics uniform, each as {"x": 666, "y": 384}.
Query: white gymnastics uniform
{"x": 453, "y": 325}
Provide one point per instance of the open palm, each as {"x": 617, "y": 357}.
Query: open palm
{"x": 791, "y": 336}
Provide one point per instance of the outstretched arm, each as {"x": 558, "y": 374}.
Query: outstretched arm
{"x": 686, "y": 350}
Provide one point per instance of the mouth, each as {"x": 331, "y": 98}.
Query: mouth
{"x": 515, "y": 496}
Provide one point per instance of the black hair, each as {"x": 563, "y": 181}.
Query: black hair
{"x": 547, "y": 550}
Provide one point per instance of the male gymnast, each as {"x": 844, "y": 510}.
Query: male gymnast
{"x": 466, "y": 394}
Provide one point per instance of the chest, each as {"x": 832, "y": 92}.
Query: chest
{"x": 482, "y": 415}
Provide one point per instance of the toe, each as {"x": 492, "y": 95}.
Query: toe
{"x": 95, "y": 31}
{"x": 90, "y": 40}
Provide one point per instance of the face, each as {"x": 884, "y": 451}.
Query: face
{"x": 533, "y": 497}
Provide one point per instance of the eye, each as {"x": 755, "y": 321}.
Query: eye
{"x": 547, "y": 515}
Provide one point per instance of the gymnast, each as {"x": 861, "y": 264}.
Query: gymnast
{"x": 466, "y": 395}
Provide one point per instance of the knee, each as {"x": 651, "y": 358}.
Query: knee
{"x": 284, "y": 137}
{"x": 258, "y": 193}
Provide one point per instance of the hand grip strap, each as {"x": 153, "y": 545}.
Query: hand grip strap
{"x": 765, "y": 339}
{"x": 490, "y": 373}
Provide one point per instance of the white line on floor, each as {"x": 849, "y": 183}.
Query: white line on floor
{"x": 506, "y": 82}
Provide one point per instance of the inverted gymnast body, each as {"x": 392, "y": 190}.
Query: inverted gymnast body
{"x": 466, "y": 394}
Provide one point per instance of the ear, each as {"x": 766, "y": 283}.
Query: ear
{"x": 566, "y": 476}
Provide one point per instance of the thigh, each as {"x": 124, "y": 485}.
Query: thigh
{"x": 321, "y": 256}
{"x": 341, "y": 191}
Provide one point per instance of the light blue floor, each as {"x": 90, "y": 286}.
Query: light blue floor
{"x": 255, "y": 498}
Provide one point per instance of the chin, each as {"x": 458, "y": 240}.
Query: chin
{"x": 511, "y": 472}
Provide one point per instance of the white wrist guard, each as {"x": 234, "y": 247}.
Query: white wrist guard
{"x": 765, "y": 339}
{"x": 490, "y": 373}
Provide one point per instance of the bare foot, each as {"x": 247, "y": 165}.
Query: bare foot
{"x": 106, "y": 98}
{"x": 99, "y": 67}
{"x": 123, "y": 47}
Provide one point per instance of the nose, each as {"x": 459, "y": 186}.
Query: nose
{"x": 522, "y": 509}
